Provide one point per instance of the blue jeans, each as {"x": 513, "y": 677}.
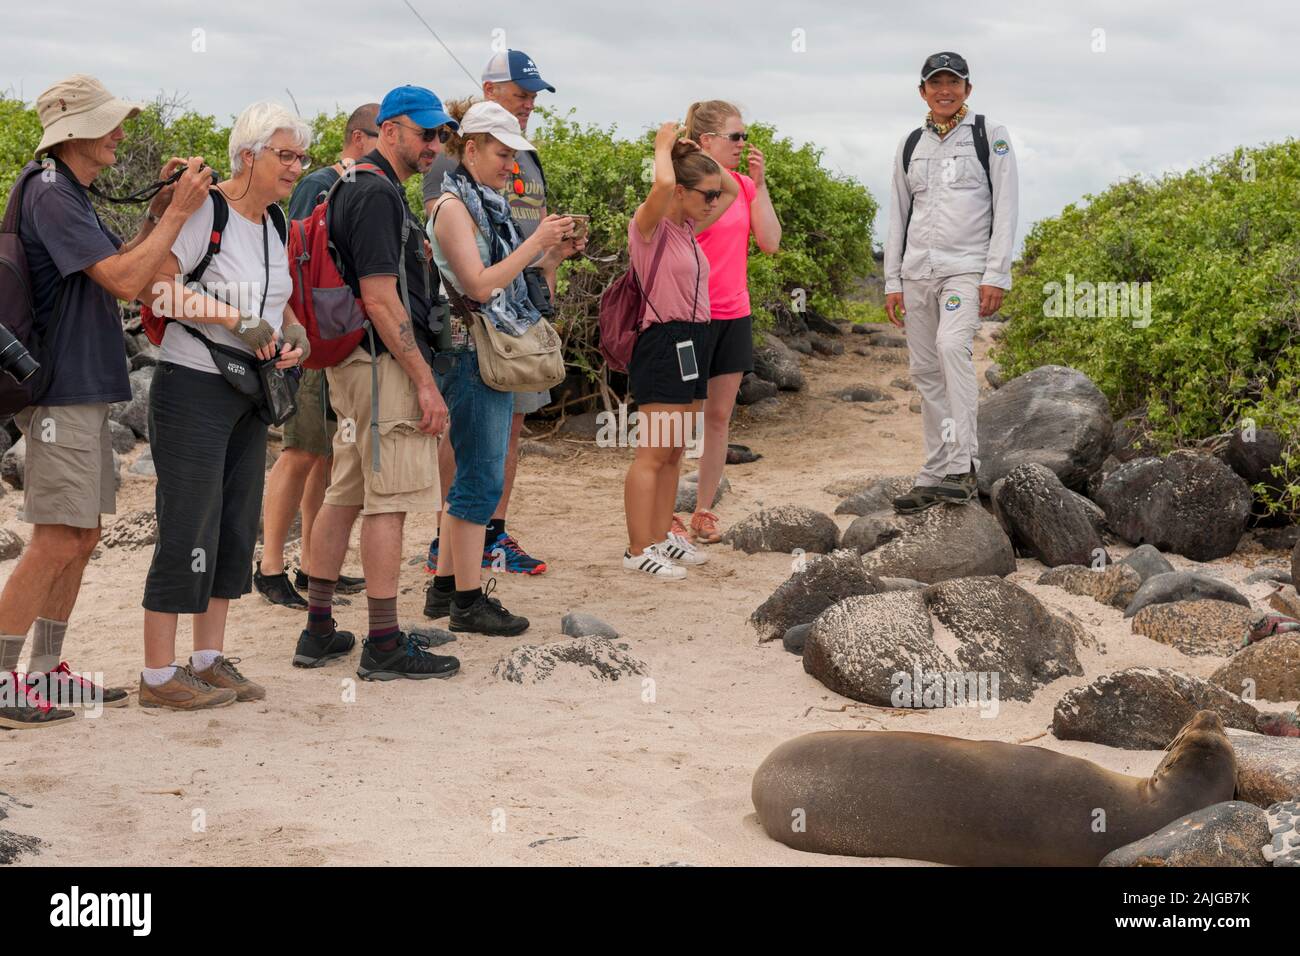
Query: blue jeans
{"x": 480, "y": 435}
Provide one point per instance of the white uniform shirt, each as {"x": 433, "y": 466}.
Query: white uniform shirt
{"x": 949, "y": 232}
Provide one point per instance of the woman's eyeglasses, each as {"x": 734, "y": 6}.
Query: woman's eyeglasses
{"x": 710, "y": 195}
{"x": 287, "y": 156}
{"x": 440, "y": 133}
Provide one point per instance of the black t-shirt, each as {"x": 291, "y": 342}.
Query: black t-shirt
{"x": 62, "y": 236}
{"x": 366, "y": 229}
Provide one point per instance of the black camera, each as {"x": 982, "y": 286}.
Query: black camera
{"x": 15, "y": 360}
{"x": 539, "y": 293}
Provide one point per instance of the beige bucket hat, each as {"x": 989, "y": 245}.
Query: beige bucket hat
{"x": 79, "y": 107}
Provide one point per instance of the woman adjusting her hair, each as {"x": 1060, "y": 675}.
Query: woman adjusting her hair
{"x": 668, "y": 370}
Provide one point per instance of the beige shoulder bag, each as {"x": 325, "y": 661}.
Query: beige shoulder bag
{"x": 532, "y": 362}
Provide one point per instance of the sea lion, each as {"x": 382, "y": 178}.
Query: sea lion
{"x": 979, "y": 802}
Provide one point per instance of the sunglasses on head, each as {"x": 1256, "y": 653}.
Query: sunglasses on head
{"x": 710, "y": 195}
{"x": 440, "y": 133}
{"x": 943, "y": 61}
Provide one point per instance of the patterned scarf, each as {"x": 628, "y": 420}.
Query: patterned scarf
{"x": 943, "y": 129}
{"x": 512, "y": 312}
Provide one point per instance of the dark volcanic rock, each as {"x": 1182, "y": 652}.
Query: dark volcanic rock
{"x": 1188, "y": 503}
{"x": 1143, "y": 708}
{"x": 824, "y": 580}
{"x": 784, "y": 528}
{"x": 1052, "y": 415}
{"x": 1046, "y": 518}
{"x": 946, "y": 541}
{"x": 1225, "y": 834}
{"x": 1182, "y": 586}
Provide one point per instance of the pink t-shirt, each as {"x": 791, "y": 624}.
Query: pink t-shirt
{"x": 726, "y": 243}
{"x": 683, "y": 276}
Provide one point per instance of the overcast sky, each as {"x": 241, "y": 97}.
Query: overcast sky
{"x": 1176, "y": 83}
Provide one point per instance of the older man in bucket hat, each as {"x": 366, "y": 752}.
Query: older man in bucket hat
{"x": 78, "y": 270}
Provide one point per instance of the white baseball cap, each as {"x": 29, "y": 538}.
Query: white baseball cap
{"x": 497, "y": 121}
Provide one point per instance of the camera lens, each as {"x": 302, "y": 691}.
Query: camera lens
{"x": 15, "y": 360}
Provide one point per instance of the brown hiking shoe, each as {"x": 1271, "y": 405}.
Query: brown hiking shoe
{"x": 185, "y": 691}
{"x": 223, "y": 673}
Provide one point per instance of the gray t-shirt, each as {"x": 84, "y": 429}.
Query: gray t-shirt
{"x": 526, "y": 208}
{"x": 62, "y": 236}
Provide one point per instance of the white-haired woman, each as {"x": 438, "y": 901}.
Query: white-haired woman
{"x": 208, "y": 438}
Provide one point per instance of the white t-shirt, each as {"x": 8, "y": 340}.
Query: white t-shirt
{"x": 237, "y": 272}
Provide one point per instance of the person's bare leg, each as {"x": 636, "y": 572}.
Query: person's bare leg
{"x": 512, "y": 465}
{"x": 313, "y": 496}
{"x": 381, "y": 553}
{"x": 462, "y": 546}
{"x": 159, "y": 638}
{"x": 666, "y": 493}
{"x": 47, "y": 577}
{"x": 329, "y": 543}
{"x": 210, "y": 626}
{"x": 641, "y": 487}
{"x": 717, "y": 425}
{"x": 284, "y": 491}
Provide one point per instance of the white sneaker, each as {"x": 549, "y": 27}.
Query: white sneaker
{"x": 654, "y": 563}
{"x": 680, "y": 550}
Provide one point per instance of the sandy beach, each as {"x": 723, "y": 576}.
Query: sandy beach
{"x": 479, "y": 770}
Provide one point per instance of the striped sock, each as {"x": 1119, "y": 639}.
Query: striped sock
{"x": 11, "y": 648}
{"x": 47, "y": 645}
{"x": 383, "y": 622}
{"x": 320, "y": 606}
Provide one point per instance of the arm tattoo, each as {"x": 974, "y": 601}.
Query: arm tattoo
{"x": 407, "y": 335}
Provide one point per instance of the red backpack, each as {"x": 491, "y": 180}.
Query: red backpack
{"x": 334, "y": 318}
{"x": 154, "y": 323}
{"x": 621, "y": 306}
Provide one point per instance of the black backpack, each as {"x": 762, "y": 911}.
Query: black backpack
{"x": 18, "y": 306}
{"x": 981, "y": 151}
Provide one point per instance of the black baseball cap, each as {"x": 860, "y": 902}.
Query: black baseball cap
{"x": 948, "y": 62}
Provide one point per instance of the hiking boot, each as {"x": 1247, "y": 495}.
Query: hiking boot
{"x": 704, "y": 528}
{"x": 277, "y": 589}
{"x": 23, "y": 708}
{"x": 314, "y": 651}
{"x": 516, "y": 560}
{"x": 184, "y": 691}
{"x": 437, "y": 604}
{"x": 487, "y": 616}
{"x": 408, "y": 659}
{"x": 918, "y": 499}
{"x": 958, "y": 489}
{"x": 223, "y": 673}
{"x": 62, "y": 688}
{"x": 345, "y": 585}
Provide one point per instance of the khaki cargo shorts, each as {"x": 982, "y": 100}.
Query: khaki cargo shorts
{"x": 407, "y": 479}
{"x": 68, "y": 475}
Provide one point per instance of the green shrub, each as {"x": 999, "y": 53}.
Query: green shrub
{"x": 1220, "y": 246}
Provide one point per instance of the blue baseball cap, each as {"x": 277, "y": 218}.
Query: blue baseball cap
{"x": 421, "y": 105}
{"x": 515, "y": 66}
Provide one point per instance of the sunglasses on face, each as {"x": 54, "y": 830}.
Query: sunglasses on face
{"x": 734, "y": 137}
{"x": 440, "y": 133}
{"x": 942, "y": 61}
{"x": 287, "y": 156}
{"x": 710, "y": 195}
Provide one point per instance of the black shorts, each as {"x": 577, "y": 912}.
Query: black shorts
{"x": 733, "y": 346}
{"x": 654, "y": 372}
